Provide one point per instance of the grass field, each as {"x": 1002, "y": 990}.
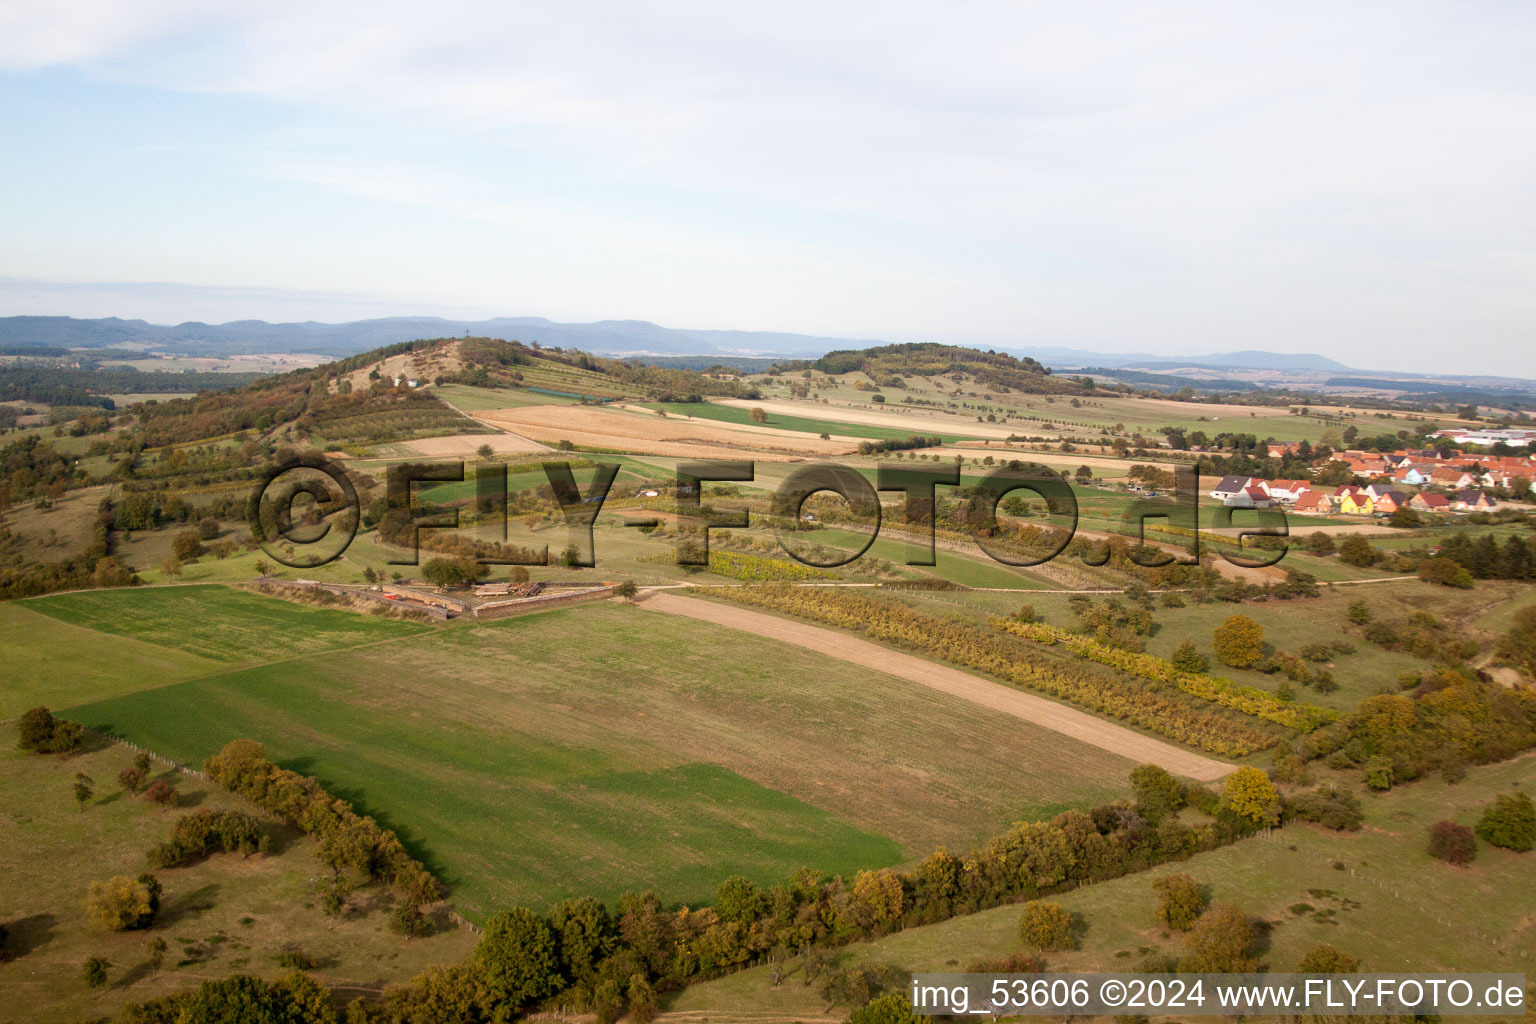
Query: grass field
{"x": 227, "y": 914}
{"x": 525, "y": 764}
{"x": 219, "y": 623}
{"x": 1375, "y": 894}
{"x": 803, "y": 424}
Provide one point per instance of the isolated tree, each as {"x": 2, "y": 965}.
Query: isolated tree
{"x": 1509, "y": 822}
{"x": 1046, "y": 927}
{"x": 1325, "y": 959}
{"x": 1220, "y": 942}
{"x": 758, "y": 415}
{"x": 121, "y": 903}
{"x": 83, "y": 789}
{"x": 1441, "y": 571}
{"x": 1452, "y": 843}
{"x": 1404, "y": 518}
{"x": 1158, "y": 794}
{"x": 1319, "y": 543}
{"x": 1251, "y": 797}
{"x": 627, "y": 590}
{"x": 187, "y": 545}
{"x": 1355, "y": 550}
{"x": 1238, "y": 641}
{"x": 131, "y": 778}
{"x": 1179, "y": 901}
{"x": 162, "y": 792}
{"x": 39, "y": 731}
{"x": 1187, "y": 658}
{"x": 486, "y": 452}
{"x": 95, "y": 972}
{"x": 157, "y": 951}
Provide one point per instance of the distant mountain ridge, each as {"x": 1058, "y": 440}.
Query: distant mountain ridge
{"x": 606, "y": 337}
{"x": 622, "y": 338}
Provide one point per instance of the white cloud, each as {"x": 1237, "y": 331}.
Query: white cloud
{"x": 1189, "y": 175}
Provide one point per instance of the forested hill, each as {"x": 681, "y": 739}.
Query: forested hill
{"x": 885, "y": 363}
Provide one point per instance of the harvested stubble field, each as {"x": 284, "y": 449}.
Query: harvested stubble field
{"x": 611, "y": 428}
{"x": 525, "y": 764}
{"x": 464, "y": 446}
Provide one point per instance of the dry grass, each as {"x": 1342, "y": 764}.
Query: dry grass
{"x": 655, "y": 435}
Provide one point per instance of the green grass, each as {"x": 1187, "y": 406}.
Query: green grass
{"x": 238, "y": 914}
{"x": 219, "y": 623}
{"x": 802, "y": 424}
{"x": 1393, "y": 906}
{"x": 526, "y": 760}
{"x": 57, "y": 664}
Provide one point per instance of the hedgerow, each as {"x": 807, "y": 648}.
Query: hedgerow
{"x": 990, "y": 651}
{"x": 1250, "y": 700}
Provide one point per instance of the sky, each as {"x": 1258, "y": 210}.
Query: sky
{"x": 1357, "y": 180}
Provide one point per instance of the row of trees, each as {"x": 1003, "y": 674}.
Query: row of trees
{"x": 348, "y": 842}
{"x": 1165, "y": 711}
{"x": 585, "y": 957}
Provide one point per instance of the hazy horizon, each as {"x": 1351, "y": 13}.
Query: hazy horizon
{"x": 1197, "y": 179}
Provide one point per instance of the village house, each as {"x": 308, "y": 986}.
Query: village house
{"x": 1388, "y": 502}
{"x": 1230, "y": 487}
{"x": 1424, "y": 501}
{"x": 1286, "y": 491}
{"x": 1249, "y": 497}
{"x": 1452, "y": 479}
{"x": 1354, "y": 501}
{"x": 1313, "y": 503}
{"x": 1473, "y": 501}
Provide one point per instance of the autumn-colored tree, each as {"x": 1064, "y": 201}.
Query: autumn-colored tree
{"x": 1220, "y": 943}
{"x": 1179, "y": 901}
{"x": 122, "y": 903}
{"x": 1325, "y": 959}
{"x": 1046, "y": 927}
{"x": 1452, "y": 843}
{"x": 1238, "y": 641}
{"x": 162, "y": 792}
{"x": 759, "y": 415}
{"x": 1249, "y": 795}
{"x": 187, "y": 545}
{"x": 131, "y": 778}
{"x": 892, "y": 1008}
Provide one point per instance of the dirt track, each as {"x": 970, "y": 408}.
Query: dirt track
{"x": 1078, "y": 725}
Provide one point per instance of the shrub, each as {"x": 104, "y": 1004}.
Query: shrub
{"x": 1220, "y": 942}
{"x": 1180, "y": 901}
{"x": 43, "y": 733}
{"x": 1187, "y": 658}
{"x": 1356, "y": 550}
{"x": 1452, "y": 843}
{"x": 1510, "y": 822}
{"x": 1359, "y": 612}
{"x": 1324, "y": 959}
{"x": 122, "y": 903}
{"x": 891, "y": 1008}
{"x": 1158, "y": 793}
{"x": 1046, "y": 927}
{"x": 202, "y": 833}
{"x": 1332, "y": 808}
{"x": 1239, "y": 641}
